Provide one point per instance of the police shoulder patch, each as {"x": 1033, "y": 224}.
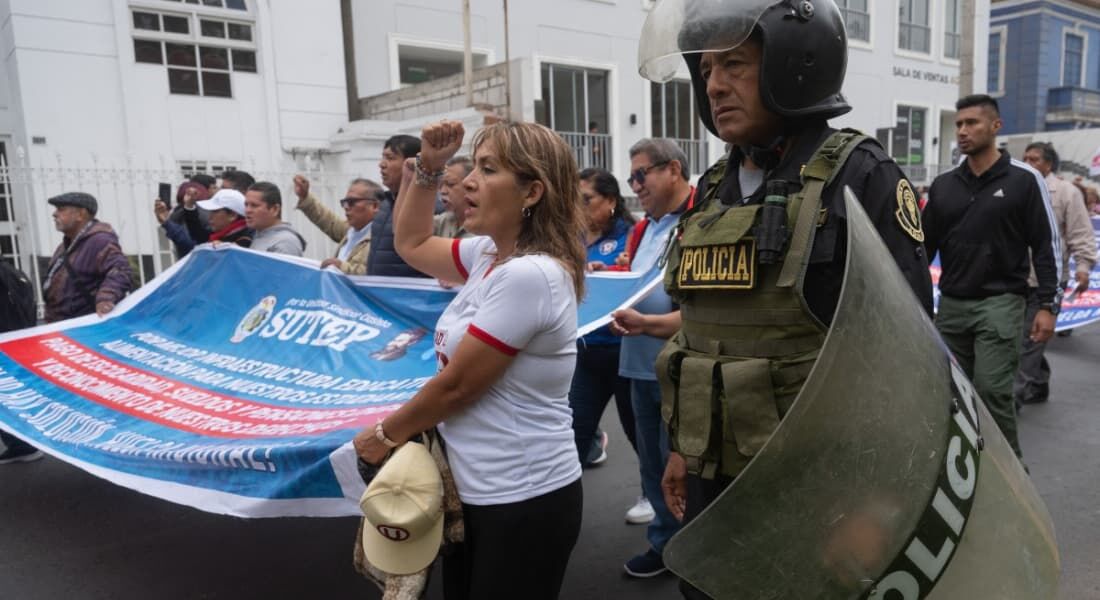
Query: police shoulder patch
{"x": 908, "y": 212}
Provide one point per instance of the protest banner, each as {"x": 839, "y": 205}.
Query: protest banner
{"x": 235, "y": 381}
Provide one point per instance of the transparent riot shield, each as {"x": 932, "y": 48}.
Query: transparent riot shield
{"x": 886, "y": 480}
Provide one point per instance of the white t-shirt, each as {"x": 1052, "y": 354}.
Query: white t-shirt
{"x": 516, "y": 442}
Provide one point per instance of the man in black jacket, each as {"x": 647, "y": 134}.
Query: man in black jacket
{"x": 983, "y": 217}
{"x": 383, "y": 258}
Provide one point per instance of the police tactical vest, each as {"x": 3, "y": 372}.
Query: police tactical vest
{"x": 748, "y": 340}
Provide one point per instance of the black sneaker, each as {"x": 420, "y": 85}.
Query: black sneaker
{"x": 25, "y": 454}
{"x": 649, "y": 564}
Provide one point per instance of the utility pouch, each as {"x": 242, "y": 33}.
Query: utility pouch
{"x": 696, "y": 416}
{"x": 748, "y": 402}
{"x": 667, "y": 368}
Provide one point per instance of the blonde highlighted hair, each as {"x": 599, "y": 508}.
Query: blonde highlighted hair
{"x": 535, "y": 153}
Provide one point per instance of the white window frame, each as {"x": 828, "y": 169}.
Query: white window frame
{"x": 943, "y": 34}
{"x": 1003, "y": 31}
{"x": 704, "y": 134}
{"x": 1082, "y": 79}
{"x": 930, "y": 56}
{"x": 648, "y": 99}
{"x": 396, "y": 41}
{"x": 228, "y": 14}
{"x": 944, "y": 141}
{"x": 206, "y": 166}
{"x": 926, "y": 140}
{"x": 195, "y": 13}
{"x": 870, "y": 43}
{"x": 612, "y": 92}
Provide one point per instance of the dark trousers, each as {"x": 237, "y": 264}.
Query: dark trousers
{"x": 700, "y": 493}
{"x": 15, "y": 444}
{"x": 1032, "y": 382}
{"x": 517, "y": 550}
{"x": 984, "y": 336}
{"x": 595, "y": 381}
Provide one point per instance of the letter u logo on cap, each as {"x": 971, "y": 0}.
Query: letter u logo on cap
{"x": 390, "y": 532}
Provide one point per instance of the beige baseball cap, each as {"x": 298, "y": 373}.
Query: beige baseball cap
{"x": 403, "y": 506}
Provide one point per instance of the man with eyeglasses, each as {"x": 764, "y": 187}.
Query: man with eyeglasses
{"x": 352, "y": 232}
{"x": 659, "y": 177}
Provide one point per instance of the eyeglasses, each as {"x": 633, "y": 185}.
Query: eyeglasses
{"x": 637, "y": 176}
{"x": 347, "y": 203}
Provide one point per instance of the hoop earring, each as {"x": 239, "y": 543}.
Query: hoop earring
{"x": 526, "y": 212}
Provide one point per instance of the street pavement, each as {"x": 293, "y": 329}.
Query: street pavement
{"x": 66, "y": 534}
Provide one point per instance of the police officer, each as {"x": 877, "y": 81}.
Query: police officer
{"x": 758, "y": 263}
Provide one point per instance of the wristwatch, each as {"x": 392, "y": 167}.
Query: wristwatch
{"x": 381, "y": 435}
{"x": 1050, "y": 307}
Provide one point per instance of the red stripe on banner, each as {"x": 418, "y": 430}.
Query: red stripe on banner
{"x": 458, "y": 259}
{"x": 56, "y": 358}
{"x": 488, "y": 338}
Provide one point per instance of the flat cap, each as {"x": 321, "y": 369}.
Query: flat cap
{"x": 80, "y": 199}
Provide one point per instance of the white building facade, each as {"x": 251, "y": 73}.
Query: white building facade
{"x": 577, "y": 70}
{"x": 113, "y": 96}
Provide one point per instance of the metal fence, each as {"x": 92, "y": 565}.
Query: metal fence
{"x": 590, "y": 149}
{"x": 126, "y": 193}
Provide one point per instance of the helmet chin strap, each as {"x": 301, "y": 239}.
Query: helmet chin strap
{"x": 766, "y": 157}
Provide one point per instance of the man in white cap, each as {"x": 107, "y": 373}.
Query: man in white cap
{"x": 226, "y": 216}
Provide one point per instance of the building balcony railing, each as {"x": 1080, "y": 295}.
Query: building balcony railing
{"x": 1073, "y": 105}
{"x": 696, "y": 151}
{"x": 590, "y": 149}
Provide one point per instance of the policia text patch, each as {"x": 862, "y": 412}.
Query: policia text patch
{"x": 722, "y": 266}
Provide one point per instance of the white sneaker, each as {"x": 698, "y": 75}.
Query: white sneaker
{"x": 602, "y": 458}
{"x": 641, "y": 513}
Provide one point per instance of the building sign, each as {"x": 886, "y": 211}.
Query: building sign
{"x": 929, "y": 76}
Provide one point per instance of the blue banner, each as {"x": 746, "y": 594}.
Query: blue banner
{"x": 1077, "y": 308}
{"x": 235, "y": 381}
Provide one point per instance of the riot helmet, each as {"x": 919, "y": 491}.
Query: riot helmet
{"x": 804, "y": 50}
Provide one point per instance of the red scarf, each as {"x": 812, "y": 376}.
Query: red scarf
{"x": 230, "y": 229}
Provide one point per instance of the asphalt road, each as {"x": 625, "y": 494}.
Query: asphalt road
{"x": 66, "y": 534}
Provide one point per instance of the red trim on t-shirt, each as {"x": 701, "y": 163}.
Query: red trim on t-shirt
{"x": 488, "y": 338}
{"x": 458, "y": 259}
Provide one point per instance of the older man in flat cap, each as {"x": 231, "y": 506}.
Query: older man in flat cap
{"x": 88, "y": 272}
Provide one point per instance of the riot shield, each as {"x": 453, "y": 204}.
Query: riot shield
{"x": 887, "y": 479}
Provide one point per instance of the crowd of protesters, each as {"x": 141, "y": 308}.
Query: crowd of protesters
{"x": 523, "y": 213}
{"x": 519, "y": 225}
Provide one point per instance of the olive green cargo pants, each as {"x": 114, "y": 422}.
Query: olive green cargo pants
{"x": 984, "y": 337}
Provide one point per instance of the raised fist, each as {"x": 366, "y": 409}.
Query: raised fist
{"x": 439, "y": 142}
{"x": 301, "y": 187}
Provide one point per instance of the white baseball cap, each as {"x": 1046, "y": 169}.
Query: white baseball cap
{"x": 403, "y": 507}
{"x": 230, "y": 199}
